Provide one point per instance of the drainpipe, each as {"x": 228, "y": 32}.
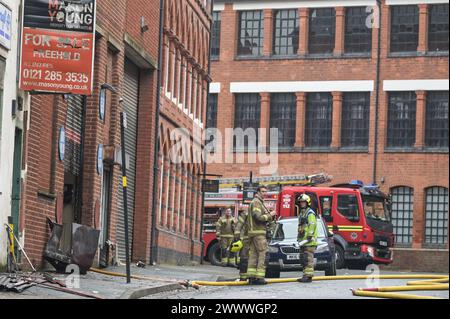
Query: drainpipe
{"x": 202, "y": 242}
{"x": 377, "y": 96}
{"x": 153, "y": 246}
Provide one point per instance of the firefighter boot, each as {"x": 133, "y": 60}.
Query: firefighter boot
{"x": 305, "y": 279}
{"x": 258, "y": 281}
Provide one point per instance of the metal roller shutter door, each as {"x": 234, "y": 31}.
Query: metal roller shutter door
{"x": 131, "y": 102}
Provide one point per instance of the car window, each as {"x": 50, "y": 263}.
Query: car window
{"x": 348, "y": 206}
{"x": 327, "y": 205}
{"x": 288, "y": 230}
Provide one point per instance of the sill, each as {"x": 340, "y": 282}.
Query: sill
{"x": 313, "y": 56}
{"x": 317, "y": 150}
{"x": 349, "y": 149}
{"x": 435, "y": 246}
{"x": 285, "y": 57}
{"x": 437, "y": 54}
{"x": 46, "y": 195}
{"x": 414, "y": 54}
{"x": 250, "y": 57}
{"x": 215, "y": 58}
{"x": 364, "y": 55}
{"x": 416, "y": 150}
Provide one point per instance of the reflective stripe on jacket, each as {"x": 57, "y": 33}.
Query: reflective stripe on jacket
{"x": 225, "y": 227}
{"x": 308, "y": 227}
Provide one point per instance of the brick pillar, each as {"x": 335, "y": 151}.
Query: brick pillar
{"x": 304, "y": 31}
{"x": 268, "y": 32}
{"x": 419, "y": 220}
{"x": 265, "y": 116}
{"x": 300, "y": 120}
{"x": 420, "y": 119}
{"x": 340, "y": 31}
{"x": 228, "y": 37}
{"x": 385, "y": 31}
{"x": 423, "y": 29}
{"x": 337, "y": 115}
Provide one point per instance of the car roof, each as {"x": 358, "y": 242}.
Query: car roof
{"x": 289, "y": 219}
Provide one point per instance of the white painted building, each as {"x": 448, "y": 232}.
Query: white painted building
{"x": 12, "y": 106}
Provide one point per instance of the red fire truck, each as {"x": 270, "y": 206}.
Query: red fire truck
{"x": 357, "y": 214}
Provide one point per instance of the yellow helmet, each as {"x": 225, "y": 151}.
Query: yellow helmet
{"x": 236, "y": 246}
{"x": 305, "y": 198}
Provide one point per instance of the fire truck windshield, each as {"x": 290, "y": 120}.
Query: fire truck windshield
{"x": 375, "y": 208}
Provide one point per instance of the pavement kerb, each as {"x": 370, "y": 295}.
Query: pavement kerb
{"x": 143, "y": 292}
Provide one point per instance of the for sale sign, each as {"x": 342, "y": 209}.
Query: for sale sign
{"x": 58, "y": 40}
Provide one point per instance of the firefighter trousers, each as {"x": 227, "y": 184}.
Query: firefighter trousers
{"x": 308, "y": 261}
{"x": 243, "y": 256}
{"x": 257, "y": 256}
{"x": 227, "y": 257}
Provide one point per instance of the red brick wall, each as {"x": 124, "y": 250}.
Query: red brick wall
{"x": 418, "y": 168}
{"x": 46, "y": 172}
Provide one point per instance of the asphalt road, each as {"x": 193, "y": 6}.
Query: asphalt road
{"x": 315, "y": 290}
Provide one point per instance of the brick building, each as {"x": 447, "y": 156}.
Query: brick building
{"x": 83, "y": 187}
{"x": 184, "y": 90}
{"x": 348, "y": 98}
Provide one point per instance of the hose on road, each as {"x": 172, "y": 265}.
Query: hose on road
{"x": 431, "y": 282}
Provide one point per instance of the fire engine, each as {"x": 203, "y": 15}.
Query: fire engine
{"x": 358, "y": 215}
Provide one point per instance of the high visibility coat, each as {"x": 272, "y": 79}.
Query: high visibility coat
{"x": 258, "y": 217}
{"x": 225, "y": 227}
{"x": 307, "y": 227}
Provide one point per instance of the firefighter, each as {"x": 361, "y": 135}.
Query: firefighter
{"x": 307, "y": 235}
{"x": 257, "y": 219}
{"x": 241, "y": 233}
{"x": 225, "y": 232}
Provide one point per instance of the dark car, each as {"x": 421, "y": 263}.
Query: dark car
{"x": 284, "y": 252}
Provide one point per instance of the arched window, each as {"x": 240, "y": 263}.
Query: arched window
{"x": 402, "y": 213}
{"x": 436, "y": 215}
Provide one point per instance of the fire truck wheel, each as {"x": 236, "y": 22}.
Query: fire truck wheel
{"x": 340, "y": 260}
{"x": 214, "y": 254}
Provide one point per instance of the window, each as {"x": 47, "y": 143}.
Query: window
{"x": 322, "y": 27}
{"x": 251, "y": 33}
{"x": 438, "y": 27}
{"x": 215, "y": 35}
{"x": 436, "y": 130}
{"x": 211, "y": 118}
{"x": 402, "y": 119}
{"x": 436, "y": 216}
{"x": 247, "y": 116}
{"x": 404, "y": 28}
{"x": 283, "y": 110}
{"x": 286, "y": 32}
{"x": 319, "y": 109}
{"x": 358, "y": 36}
{"x": 348, "y": 206}
{"x": 402, "y": 213}
{"x": 355, "y": 120}
{"x": 326, "y": 202}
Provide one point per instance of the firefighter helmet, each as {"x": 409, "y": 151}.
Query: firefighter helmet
{"x": 236, "y": 246}
{"x": 305, "y": 198}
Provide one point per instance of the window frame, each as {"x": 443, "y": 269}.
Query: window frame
{"x": 211, "y": 118}
{"x": 406, "y": 126}
{"x": 407, "y": 221}
{"x": 251, "y": 102}
{"x": 259, "y": 37}
{"x": 316, "y": 36}
{"x": 292, "y": 33}
{"x": 433, "y": 43}
{"x": 401, "y": 44}
{"x": 284, "y": 119}
{"x": 314, "y": 137}
{"x": 436, "y": 128}
{"x": 355, "y": 135}
{"x": 346, "y": 216}
{"x": 363, "y": 47}
{"x": 428, "y": 230}
{"x": 215, "y": 34}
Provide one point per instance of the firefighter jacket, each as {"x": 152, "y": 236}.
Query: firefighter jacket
{"x": 258, "y": 217}
{"x": 241, "y": 229}
{"x": 225, "y": 227}
{"x": 307, "y": 227}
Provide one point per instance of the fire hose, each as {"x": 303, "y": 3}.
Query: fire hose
{"x": 432, "y": 282}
